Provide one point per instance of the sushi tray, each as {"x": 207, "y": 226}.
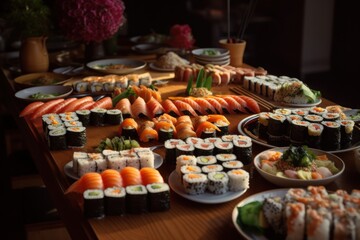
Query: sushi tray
{"x": 249, "y": 126}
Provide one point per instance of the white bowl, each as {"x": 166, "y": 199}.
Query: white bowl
{"x": 58, "y": 90}
{"x": 200, "y": 52}
{"x": 291, "y": 182}
{"x": 221, "y": 63}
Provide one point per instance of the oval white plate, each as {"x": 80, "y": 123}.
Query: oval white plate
{"x": 256, "y": 197}
{"x": 130, "y": 65}
{"x": 248, "y": 124}
{"x": 61, "y": 91}
{"x": 68, "y": 168}
{"x": 208, "y": 198}
{"x": 291, "y": 182}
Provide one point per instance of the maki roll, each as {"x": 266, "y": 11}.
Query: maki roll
{"x": 298, "y": 132}
{"x": 202, "y": 149}
{"x": 331, "y": 135}
{"x": 146, "y": 158}
{"x": 313, "y": 118}
{"x": 57, "y": 139}
{"x": 212, "y": 168}
{"x": 314, "y": 132}
{"x": 330, "y": 116}
{"x": 184, "y": 160}
{"x": 76, "y": 136}
{"x": 295, "y": 220}
{"x": 346, "y": 131}
{"x": 238, "y": 180}
{"x": 184, "y": 149}
{"x": 76, "y": 157}
{"x": 217, "y": 182}
{"x": 276, "y": 128}
{"x": 81, "y": 86}
{"x": 205, "y": 160}
{"x": 72, "y": 124}
{"x": 289, "y": 119}
{"x": 194, "y": 140}
{"x": 300, "y": 112}
{"x": 94, "y": 203}
{"x": 114, "y": 201}
{"x": 243, "y": 149}
{"x": 229, "y": 137}
{"x": 113, "y": 117}
{"x": 223, "y": 157}
{"x": 185, "y": 169}
{"x": 96, "y": 87}
{"x": 129, "y": 129}
{"x": 165, "y": 133}
{"x": 136, "y": 199}
{"x": 317, "y": 111}
{"x": 84, "y": 116}
{"x": 283, "y": 111}
{"x": 70, "y": 116}
{"x": 97, "y": 116}
{"x": 223, "y": 147}
{"x": 109, "y": 86}
{"x": 223, "y": 126}
{"x": 212, "y": 140}
{"x": 195, "y": 183}
{"x": 231, "y": 165}
{"x": 263, "y": 123}
{"x": 170, "y": 149}
{"x": 115, "y": 162}
{"x": 159, "y": 197}
{"x": 318, "y": 223}
{"x": 53, "y": 126}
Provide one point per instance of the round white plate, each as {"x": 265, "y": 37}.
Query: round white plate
{"x": 256, "y": 197}
{"x": 154, "y": 67}
{"x": 221, "y": 63}
{"x": 353, "y": 114}
{"x": 200, "y": 52}
{"x": 130, "y": 65}
{"x": 208, "y": 198}
{"x": 248, "y": 125}
{"x": 60, "y": 91}
{"x": 291, "y": 182}
{"x": 68, "y": 168}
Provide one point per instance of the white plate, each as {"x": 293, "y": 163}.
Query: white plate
{"x": 208, "y": 198}
{"x": 70, "y": 71}
{"x": 353, "y": 114}
{"x": 298, "y": 105}
{"x": 68, "y": 168}
{"x": 60, "y": 91}
{"x": 248, "y": 126}
{"x": 130, "y": 65}
{"x": 200, "y": 52}
{"x": 221, "y": 63}
{"x": 256, "y": 197}
{"x": 291, "y": 182}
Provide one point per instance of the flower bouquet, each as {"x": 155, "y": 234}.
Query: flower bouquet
{"x": 181, "y": 37}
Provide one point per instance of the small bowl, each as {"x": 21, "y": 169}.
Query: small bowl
{"x": 291, "y": 182}
{"x": 200, "y": 52}
{"x": 59, "y": 91}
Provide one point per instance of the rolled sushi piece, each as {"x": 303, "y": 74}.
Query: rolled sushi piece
{"x": 212, "y": 168}
{"x": 165, "y": 134}
{"x": 317, "y": 110}
{"x": 243, "y": 150}
{"x": 185, "y": 169}
{"x": 327, "y": 116}
{"x": 314, "y": 118}
{"x": 346, "y": 132}
{"x": 288, "y": 122}
{"x": 97, "y": 116}
{"x": 57, "y": 139}
{"x": 212, "y": 140}
{"x": 223, "y": 157}
{"x": 81, "y": 86}
{"x": 116, "y": 162}
{"x": 263, "y": 123}
{"x": 300, "y": 112}
{"x": 295, "y": 221}
{"x": 84, "y": 116}
{"x": 314, "y": 132}
{"x": 136, "y": 199}
{"x": 146, "y": 159}
{"x": 229, "y": 137}
{"x": 273, "y": 209}
{"x": 239, "y": 179}
{"x": 76, "y": 157}
{"x": 184, "y": 149}
{"x": 331, "y": 136}
{"x": 205, "y": 160}
{"x": 114, "y": 201}
{"x": 184, "y": 160}
{"x": 318, "y": 223}
{"x": 96, "y": 87}
{"x": 344, "y": 225}
{"x": 224, "y": 128}
{"x": 53, "y": 126}
{"x": 195, "y": 183}
{"x": 194, "y": 140}
{"x": 223, "y": 147}
{"x": 73, "y": 124}
{"x": 276, "y": 124}
{"x": 203, "y": 149}
{"x": 94, "y": 203}
{"x": 217, "y": 182}
{"x": 76, "y": 137}
{"x": 170, "y": 149}
{"x": 158, "y": 197}
{"x": 231, "y": 165}
{"x": 298, "y": 132}
{"x": 129, "y": 129}
{"x": 113, "y": 117}
{"x": 283, "y": 111}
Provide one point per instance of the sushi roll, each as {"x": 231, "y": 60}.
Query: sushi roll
{"x": 81, "y": 86}
{"x": 298, "y": 132}
{"x": 195, "y": 183}
{"x": 276, "y": 129}
{"x": 246, "y": 82}
{"x": 121, "y": 82}
{"x": 109, "y": 86}
{"x": 224, "y": 128}
{"x": 69, "y": 117}
{"x": 263, "y": 123}
{"x": 57, "y": 139}
{"x": 194, "y": 140}
{"x": 273, "y": 212}
{"x": 76, "y": 157}
{"x": 223, "y": 147}
{"x": 72, "y": 124}
{"x": 95, "y": 87}
{"x": 202, "y": 149}
{"x": 76, "y": 137}
{"x": 205, "y": 160}
{"x": 344, "y": 225}
{"x": 185, "y": 169}
{"x": 223, "y": 157}
{"x": 313, "y": 118}
{"x": 97, "y": 116}
{"x": 113, "y": 117}
{"x": 318, "y": 223}
{"x": 317, "y": 111}
{"x": 212, "y": 168}
{"x": 170, "y": 149}
{"x": 146, "y": 159}
{"x": 229, "y": 137}
{"x": 300, "y": 112}
{"x": 212, "y": 140}
{"x": 184, "y": 149}
{"x": 159, "y": 197}
{"x": 90, "y": 165}
{"x": 129, "y": 129}
{"x": 110, "y": 152}
{"x": 313, "y": 137}
{"x": 53, "y": 127}
{"x": 231, "y": 165}
{"x": 238, "y": 180}
{"x": 295, "y": 221}
{"x": 136, "y": 199}
{"x": 331, "y": 135}
{"x": 184, "y": 160}
{"x": 327, "y": 116}
{"x": 346, "y": 132}
{"x": 84, "y": 116}
{"x": 165, "y": 134}
{"x": 115, "y": 162}
{"x": 94, "y": 203}
{"x": 243, "y": 149}
{"x": 217, "y": 182}
{"x": 283, "y": 111}
{"x": 114, "y": 201}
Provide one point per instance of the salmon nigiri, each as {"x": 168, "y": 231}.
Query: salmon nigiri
{"x": 251, "y": 104}
{"x": 170, "y": 108}
{"x": 150, "y": 175}
{"x": 111, "y": 178}
{"x": 30, "y": 108}
{"x": 130, "y": 176}
{"x": 185, "y": 108}
{"x": 91, "y": 180}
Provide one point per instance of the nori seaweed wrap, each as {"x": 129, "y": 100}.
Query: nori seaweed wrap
{"x": 93, "y": 203}
{"x": 331, "y": 135}
{"x": 158, "y": 196}
{"x": 76, "y": 136}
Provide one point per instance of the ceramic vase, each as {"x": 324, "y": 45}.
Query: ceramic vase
{"x": 236, "y": 51}
{"x": 34, "y": 55}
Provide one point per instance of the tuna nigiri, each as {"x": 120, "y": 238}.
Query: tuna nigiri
{"x": 91, "y": 180}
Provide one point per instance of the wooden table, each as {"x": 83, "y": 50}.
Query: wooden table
{"x": 185, "y": 219}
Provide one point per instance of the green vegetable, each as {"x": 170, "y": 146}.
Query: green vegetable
{"x": 251, "y": 217}
{"x": 211, "y": 52}
{"x": 310, "y": 94}
{"x": 127, "y": 93}
{"x": 43, "y": 95}
{"x": 202, "y": 81}
{"x": 117, "y": 144}
{"x": 189, "y": 86}
{"x": 299, "y": 156}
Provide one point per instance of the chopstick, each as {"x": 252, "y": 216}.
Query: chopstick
{"x": 264, "y": 103}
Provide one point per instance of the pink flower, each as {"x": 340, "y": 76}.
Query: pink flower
{"x": 181, "y": 37}
{"x": 94, "y": 20}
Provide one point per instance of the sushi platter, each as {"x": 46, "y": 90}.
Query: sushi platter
{"x": 249, "y": 127}
{"x": 207, "y": 198}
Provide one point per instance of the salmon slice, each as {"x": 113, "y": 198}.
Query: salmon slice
{"x": 91, "y": 180}
{"x": 124, "y": 106}
{"x": 216, "y": 105}
{"x": 170, "y": 108}
{"x": 130, "y": 176}
{"x": 147, "y": 134}
{"x": 251, "y": 104}
{"x": 196, "y": 106}
{"x": 111, "y": 178}
{"x": 44, "y": 108}
{"x": 150, "y": 175}
{"x": 185, "y": 108}
{"x": 59, "y": 107}
{"x": 30, "y": 108}
{"x": 154, "y": 107}
{"x": 205, "y": 105}
{"x": 105, "y": 102}
{"x": 139, "y": 109}
{"x": 73, "y": 106}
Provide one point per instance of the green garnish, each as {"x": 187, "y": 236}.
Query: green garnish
{"x": 40, "y": 95}
{"x": 299, "y": 156}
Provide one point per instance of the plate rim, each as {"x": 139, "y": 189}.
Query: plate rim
{"x": 223, "y": 52}
{"x": 262, "y": 143}
{"x": 18, "y": 80}
{"x": 209, "y": 197}
{"x": 68, "y": 166}
{"x": 281, "y": 192}
{"x": 65, "y": 94}
{"x": 141, "y": 64}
